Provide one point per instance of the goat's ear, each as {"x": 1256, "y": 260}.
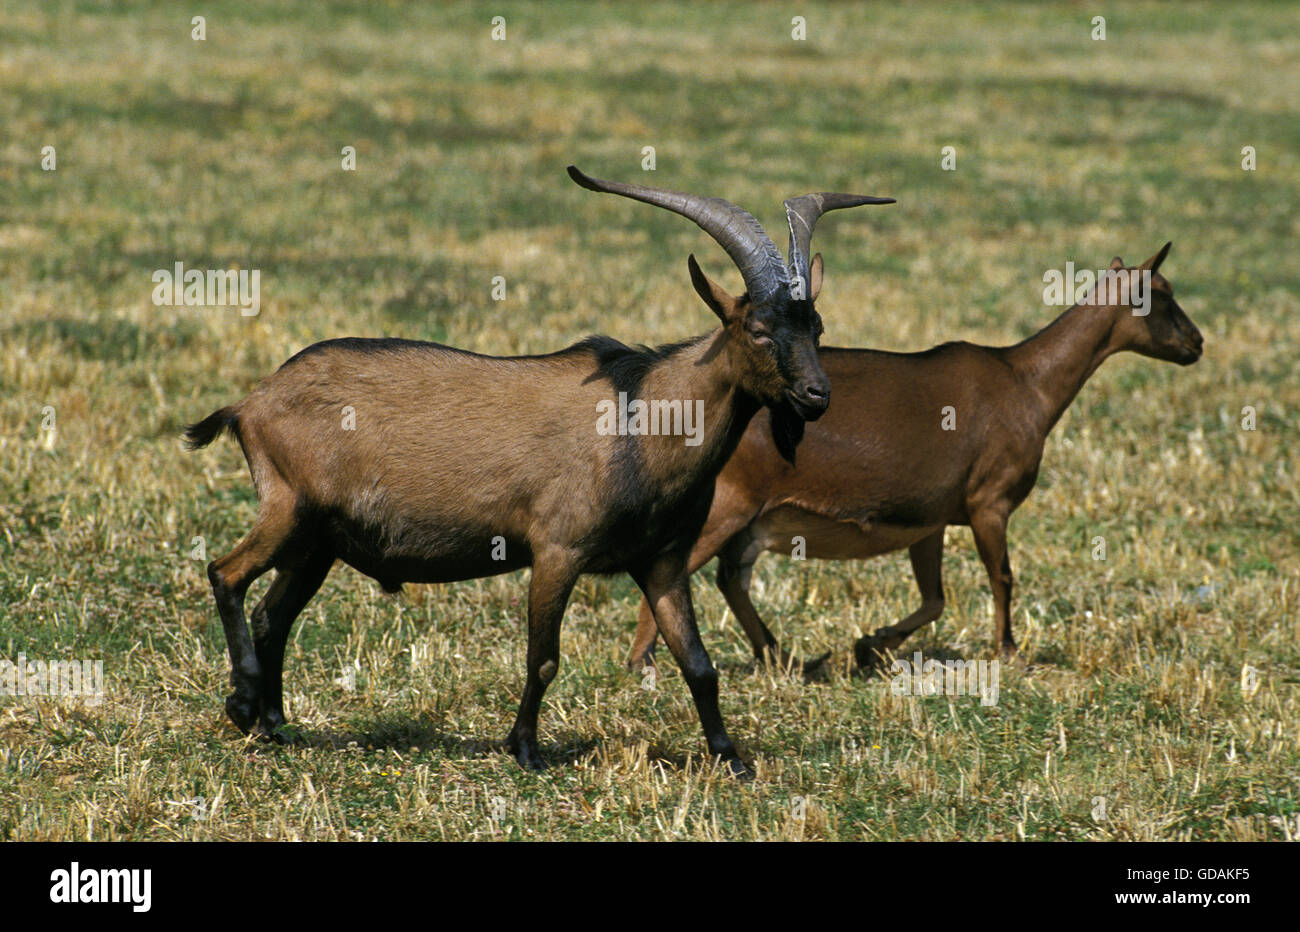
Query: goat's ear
{"x": 815, "y": 277}
{"x": 1153, "y": 263}
{"x": 1116, "y": 264}
{"x": 714, "y": 295}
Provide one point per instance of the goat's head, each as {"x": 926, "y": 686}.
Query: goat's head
{"x": 773, "y": 328}
{"x": 1165, "y": 332}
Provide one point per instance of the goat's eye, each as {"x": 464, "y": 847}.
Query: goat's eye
{"x": 759, "y": 335}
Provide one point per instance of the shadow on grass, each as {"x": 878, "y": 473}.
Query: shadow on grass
{"x": 559, "y": 750}
{"x": 1050, "y": 655}
{"x": 426, "y": 733}
{"x": 883, "y": 666}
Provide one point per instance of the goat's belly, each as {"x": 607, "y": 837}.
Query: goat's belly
{"x": 393, "y": 570}
{"x": 826, "y": 538}
{"x": 426, "y": 553}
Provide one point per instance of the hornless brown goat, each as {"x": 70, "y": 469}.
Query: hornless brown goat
{"x": 879, "y": 472}
{"x": 446, "y": 455}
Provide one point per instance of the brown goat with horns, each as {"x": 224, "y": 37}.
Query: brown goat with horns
{"x": 880, "y": 473}
{"x": 425, "y": 485}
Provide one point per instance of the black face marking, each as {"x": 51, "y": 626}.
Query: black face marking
{"x": 796, "y": 322}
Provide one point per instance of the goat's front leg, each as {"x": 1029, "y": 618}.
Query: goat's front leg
{"x": 712, "y": 539}
{"x": 667, "y": 589}
{"x": 990, "y": 530}
{"x": 548, "y": 594}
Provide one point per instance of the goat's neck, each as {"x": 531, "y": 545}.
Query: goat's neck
{"x": 1060, "y": 358}
{"x": 703, "y": 371}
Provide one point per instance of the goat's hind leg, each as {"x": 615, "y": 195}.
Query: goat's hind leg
{"x": 927, "y": 566}
{"x": 271, "y": 622}
{"x": 231, "y": 576}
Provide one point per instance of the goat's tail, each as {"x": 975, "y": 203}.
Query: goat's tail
{"x": 205, "y": 431}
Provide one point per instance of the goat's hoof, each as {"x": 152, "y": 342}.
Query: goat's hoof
{"x": 1011, "y": 654}
{"x": 643, "y": 665}
{"x": 525, "y": 752}
{"x": 241, "y": 711}
{"x": 815, "y": 669}
{"x": 868, "y": 653}
{"x": 739, "y": 769}
{"x": 775, "y": 660}
{"x": 530, "y": 760}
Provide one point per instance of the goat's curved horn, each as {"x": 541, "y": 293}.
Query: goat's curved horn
{"x": 735, "y": 230}
{"x": 802, "y": 213}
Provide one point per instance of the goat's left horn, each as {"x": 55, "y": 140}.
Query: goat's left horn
{"x": 802, "y": 213}
{"x": 732, "y": 227}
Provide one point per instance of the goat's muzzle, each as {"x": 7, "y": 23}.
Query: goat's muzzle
{"x": 810, "y": 399}
{"x": 1193, "y": 345}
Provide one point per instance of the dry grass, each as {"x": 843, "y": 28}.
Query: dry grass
{"x": 227, "y": 152}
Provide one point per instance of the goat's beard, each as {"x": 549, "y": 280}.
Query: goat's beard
{"x": 787, "y": 428}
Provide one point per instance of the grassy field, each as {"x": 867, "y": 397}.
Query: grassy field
{"x": 226, "y": 153}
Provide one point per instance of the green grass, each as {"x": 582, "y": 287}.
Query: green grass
{"x": 227, "y": 152}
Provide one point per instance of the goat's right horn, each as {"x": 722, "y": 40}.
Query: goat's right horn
{"x": 735, "y": 230}
{"x": 802, "y": 213}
